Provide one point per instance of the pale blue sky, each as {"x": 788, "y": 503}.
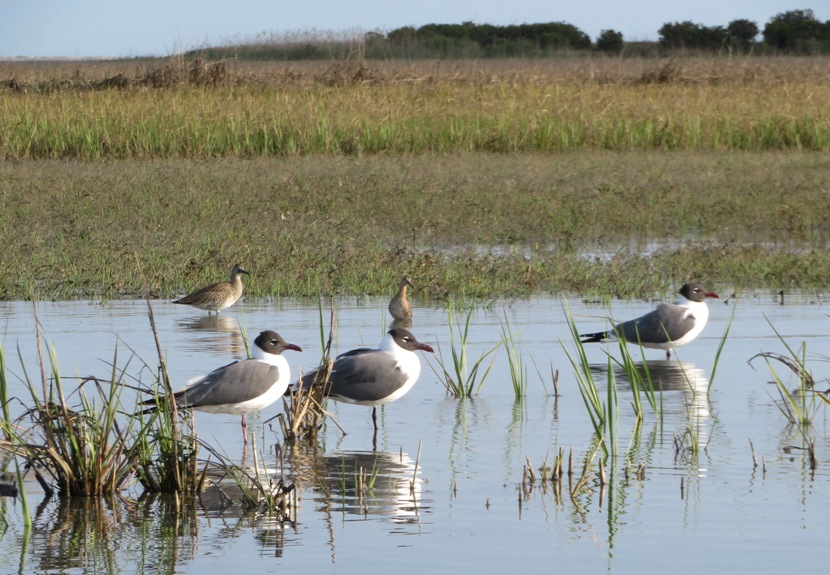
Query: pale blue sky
{"x": 90, "y": 28}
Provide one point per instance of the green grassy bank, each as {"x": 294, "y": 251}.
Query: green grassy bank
{"x": 591, "y": 222}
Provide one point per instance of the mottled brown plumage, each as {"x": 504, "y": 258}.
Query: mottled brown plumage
{"x": 400, "y": 307}
{"x": 218, "y": 296}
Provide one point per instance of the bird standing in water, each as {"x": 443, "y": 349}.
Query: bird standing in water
{"x": 244, "y": 386}
{"x": 374, "y": 377}
{"x": 399, "y": 306}
{"x": 666, "y": 327}
{"x": 218, "y": 296}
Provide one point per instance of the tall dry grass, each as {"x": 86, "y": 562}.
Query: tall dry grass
{"x": 200, "y": 110}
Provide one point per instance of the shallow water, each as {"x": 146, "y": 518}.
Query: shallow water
{"x": 447, "y": 490}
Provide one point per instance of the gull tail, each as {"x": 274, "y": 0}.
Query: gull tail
{"x": 597, "y": 337}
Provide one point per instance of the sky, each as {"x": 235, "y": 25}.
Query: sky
{"x": 112, "y": 28}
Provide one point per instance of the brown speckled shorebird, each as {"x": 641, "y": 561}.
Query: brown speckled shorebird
{"x": 218, "y": 296}
{"x": 399, "y": 306}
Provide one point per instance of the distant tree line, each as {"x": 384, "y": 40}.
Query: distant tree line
{"x": 796, "y": 31}
{"x": 792, "y": 32}
{"x": 491, "y": 41}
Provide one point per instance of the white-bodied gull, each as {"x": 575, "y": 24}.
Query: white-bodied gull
{"x": 375, "y": 376}
{"x": 666, "y": 327}
{"x": 244, "y": 386}
{"x": 218, "y": 296}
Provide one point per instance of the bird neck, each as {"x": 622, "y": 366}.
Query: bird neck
{"x": 698, "y": 308}
{"x": 273, "y": 359}
{"x": 388, "y": 344}
{"x": 684, "y": 301}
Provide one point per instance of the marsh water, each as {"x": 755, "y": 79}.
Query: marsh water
{"x": 448, "y": 490}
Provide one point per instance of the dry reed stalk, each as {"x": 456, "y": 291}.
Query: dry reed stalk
{"x": 305, "y": 413}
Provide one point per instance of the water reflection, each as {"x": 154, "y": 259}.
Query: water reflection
{"x": 668, "y": 376}
{"x": 405, "y": 323}
{"x": 682, "y": 399}
{"x": 482, "y": 443}
{"x": 220, "y": 334}
{"x": 366, "y": 483}
{"x": 91, "y": 534}
{"x": 221, "y": 505}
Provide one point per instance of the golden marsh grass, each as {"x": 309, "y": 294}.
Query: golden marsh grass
{"x": 440, "y": 107}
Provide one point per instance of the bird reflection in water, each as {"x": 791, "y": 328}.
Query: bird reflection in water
{"x": 690, "y": 404}
{"x": 222, "y": 334}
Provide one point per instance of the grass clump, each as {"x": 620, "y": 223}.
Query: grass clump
{"x": 83, "y": 449}
{"x": 304, "y": 414}
{"x": 801, "y": 404}
{"x": 460, "y": 379}
{"x": 86, "y": 446}
{"x": 603, "y": 413}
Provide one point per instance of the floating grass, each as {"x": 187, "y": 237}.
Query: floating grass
{"x": 459, "y": 379}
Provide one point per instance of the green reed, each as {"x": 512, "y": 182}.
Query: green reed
{"x": 460, "y": 379}
{"x": 800, "y": 405}
{"x": 721, "y": 346}
{"x": 6, "y": 426}
{"x": 603, "y": 414}
{"x": 641, "y": 382}
{"x": 518, "y": 370}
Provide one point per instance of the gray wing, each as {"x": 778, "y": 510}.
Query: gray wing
{"x": 365, "y": 376}
{"x": 308, "y": 379}
{"x": 233, "y": 383}
{"x": 667, "y": 322}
